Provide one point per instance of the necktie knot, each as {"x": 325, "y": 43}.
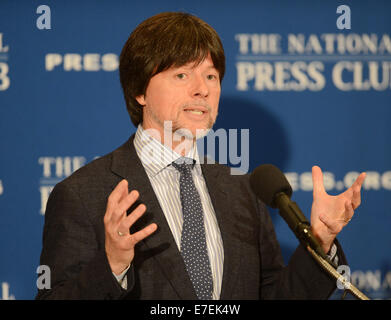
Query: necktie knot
{"x": 184, "y": 164}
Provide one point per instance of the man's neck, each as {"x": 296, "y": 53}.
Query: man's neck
{"x": 174, "y": 141}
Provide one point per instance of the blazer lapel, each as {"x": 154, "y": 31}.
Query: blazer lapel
{"x": 127, "y": 165}
{"x": 218, "y": 187}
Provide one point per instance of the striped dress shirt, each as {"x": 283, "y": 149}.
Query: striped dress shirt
{"x": 156, "y": 159}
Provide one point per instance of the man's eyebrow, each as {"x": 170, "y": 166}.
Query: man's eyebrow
{"x": 193, "y": 65}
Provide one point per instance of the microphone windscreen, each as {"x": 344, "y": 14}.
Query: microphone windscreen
{"x": 266, "y": 181}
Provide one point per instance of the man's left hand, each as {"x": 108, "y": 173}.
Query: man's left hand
{"x": 329, "y": 214}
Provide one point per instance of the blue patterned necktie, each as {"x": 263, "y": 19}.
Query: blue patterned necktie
{"x": 193, "y": 241}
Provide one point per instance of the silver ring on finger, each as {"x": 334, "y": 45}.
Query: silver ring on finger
{"x": 120, "y": 233}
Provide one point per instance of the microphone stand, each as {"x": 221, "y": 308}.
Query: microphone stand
{"x": 331, "y": 271}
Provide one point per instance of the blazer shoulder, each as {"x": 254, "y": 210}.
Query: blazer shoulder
{"x": 90, "y": 172}
{"x": 235, "y": 176}
{"x": 95, "y": 173}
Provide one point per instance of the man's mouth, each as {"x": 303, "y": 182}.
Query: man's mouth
{"x": 199, "y": 112}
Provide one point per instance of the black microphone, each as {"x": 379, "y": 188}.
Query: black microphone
{"x": 272, "y": 187}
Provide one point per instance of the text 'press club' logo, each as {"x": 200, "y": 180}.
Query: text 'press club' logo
{"x": 298, "y": 61}
{"x": 72, "y": 61}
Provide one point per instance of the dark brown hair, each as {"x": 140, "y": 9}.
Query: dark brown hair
{"x": 170, "y": 39}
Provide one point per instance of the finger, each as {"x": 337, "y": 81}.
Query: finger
{"x": 128, "y": 201}
{"x": 317, "y": 180}
{"x": 356, "y": 188}
{"x": 142, "y": 234}
{"x": 359, "y": 181}
{"x": 119, "y": 191}
{"x": 115, "y": 196}
{"x": 120, "y": 212}
{"x": 356, "y": 199}
{"x": 134, "y": 216}
{"x": 349, "y": 212}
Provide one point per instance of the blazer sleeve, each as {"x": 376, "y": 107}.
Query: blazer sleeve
{"x": 77, "y": 261}
{"x": 302, "y": 278}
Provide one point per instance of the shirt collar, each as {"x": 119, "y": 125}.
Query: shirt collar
{"x": 155, "y": 156}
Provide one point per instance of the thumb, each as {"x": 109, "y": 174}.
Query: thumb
{"x": 317, "y": 180}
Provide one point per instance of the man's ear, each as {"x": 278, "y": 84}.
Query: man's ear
{"x": 141, "y": 99}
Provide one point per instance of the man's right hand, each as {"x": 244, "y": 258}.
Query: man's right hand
{"x": 119, "y": 243}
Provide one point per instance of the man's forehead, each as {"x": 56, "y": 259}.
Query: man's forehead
{"x": 207, "y": 62}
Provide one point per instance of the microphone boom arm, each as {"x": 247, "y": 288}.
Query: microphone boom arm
{"x": 298, "y": 223}
{"x": 300, "y": 226}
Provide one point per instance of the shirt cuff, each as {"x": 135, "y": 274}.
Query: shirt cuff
{"x": 332, "y": 255}
{"x": 122, "y": 280}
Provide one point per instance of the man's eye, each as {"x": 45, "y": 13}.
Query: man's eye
{"x": 211, "y": 77}
{"x": 181, "y": 76}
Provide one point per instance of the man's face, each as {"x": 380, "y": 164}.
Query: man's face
{"x": 188, "y": 96}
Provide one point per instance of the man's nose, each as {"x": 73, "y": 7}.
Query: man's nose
{"x": 199, "y": 87}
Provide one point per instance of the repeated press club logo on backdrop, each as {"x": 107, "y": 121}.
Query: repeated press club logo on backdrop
{"x": 56, "y": 168}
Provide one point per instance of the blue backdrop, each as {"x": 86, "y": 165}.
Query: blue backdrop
{"x": 309, "y": 93}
